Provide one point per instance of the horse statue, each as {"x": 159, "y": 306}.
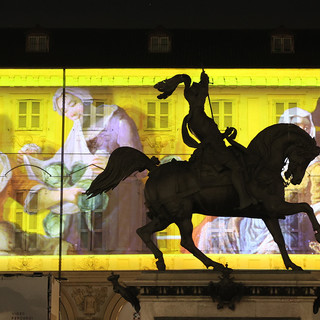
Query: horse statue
{"x": 177, "y": 189}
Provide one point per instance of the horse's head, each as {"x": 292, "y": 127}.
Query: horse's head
{"x": 284, "y": 141}
{"x": 299, "y": 159}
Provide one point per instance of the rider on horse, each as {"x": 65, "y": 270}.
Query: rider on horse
{"x": 167, "y": 204}
{"x": 214, "y": 151}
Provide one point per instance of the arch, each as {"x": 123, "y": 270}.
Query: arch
{"x": 66, "y": 308}
{"x": 114, "y": 307}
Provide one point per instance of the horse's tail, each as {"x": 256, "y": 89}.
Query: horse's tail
{"x": 123, "y": 162}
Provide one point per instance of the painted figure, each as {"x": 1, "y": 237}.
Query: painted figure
{"x": 96, "y": 132}
{"x": 250, "y": 236}
{"x": 309, "y": 189}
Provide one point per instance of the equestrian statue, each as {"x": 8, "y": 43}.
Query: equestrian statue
{"x": 217, "y": 180}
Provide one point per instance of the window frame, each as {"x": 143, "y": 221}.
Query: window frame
{"x": 29, "y": 115}
{"x": 221, "y": 123}
{"x": 90, "y": 234}
{"x": 282, "y": 47}
{"x": 93, "y": 114}
{"x": 26, "y": 220}
{"x": 37, "y": 46}
{"x": 156, "y": 45}
{"x": 275, "y": 115}
{"x": 158, "y": 115}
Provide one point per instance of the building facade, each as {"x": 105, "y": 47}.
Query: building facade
{"x": 251, "y": 87}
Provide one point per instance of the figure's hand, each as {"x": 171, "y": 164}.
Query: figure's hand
{"x": 71, "y": 194}
{"x": 98, "y": 164}
{"x": 26, "y": 150}
{"x": 204, "y": 79}
{"x": 20, "y": 156}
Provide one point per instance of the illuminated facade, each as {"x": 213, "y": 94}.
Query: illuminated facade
{"x": 250, "y": 88}
{"x": 248, "y": 99}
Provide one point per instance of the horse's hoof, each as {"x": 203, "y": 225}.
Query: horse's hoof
{"x": 232, "y": 307}
{"x": 295, "y": 268}
{"x": 219, "y": 267}
{"x": 228, "y": 269}
{"x": 161, "y": 266}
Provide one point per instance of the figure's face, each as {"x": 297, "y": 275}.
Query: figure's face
{"x": 304, "y": 124}
{"x": 73, "y": 106}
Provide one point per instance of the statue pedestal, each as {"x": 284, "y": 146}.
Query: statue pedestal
{"x": 244, "y": 294}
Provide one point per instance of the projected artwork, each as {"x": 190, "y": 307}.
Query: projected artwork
{"x": 176, "y": 190}
{"x": 87, "y": 148}
{"x": 250, "y": 236}
{"x": 99, "y": 117}
{"x": 88, "y": 225}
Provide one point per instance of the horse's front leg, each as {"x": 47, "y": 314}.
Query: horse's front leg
{"x": 314, "y": 222}
{"x": 288, "y": 208}
{"x": 275, "y": 230}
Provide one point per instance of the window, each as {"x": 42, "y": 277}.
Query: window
{"x": 160, "y": 44}
{"x": 281, "y": 106}
{"x": 29, "y": 115}
{"x": 91, "y": 230}
{"x": 223, "y": 113}
{"x": 282, "y": 44}
{"x": 94, "y": 115}
{"x": 37, "y": 43}
{"x": 26, "y": 241}
{"x": 158, "y": 115}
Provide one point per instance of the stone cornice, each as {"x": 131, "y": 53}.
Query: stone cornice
{"x": 150, "y": 76}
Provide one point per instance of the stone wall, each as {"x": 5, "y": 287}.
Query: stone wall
{"x": 174, "y": 295}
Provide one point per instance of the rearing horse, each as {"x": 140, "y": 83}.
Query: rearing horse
{"x": 176, "y": 190}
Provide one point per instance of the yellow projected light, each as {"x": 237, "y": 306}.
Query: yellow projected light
{"x": 147, "y": 262}
{"x": 31, "y": 77}
{"x": 218, "y": 77}
{"x": 30, "y": 144}
{"x": 148, "y": 77}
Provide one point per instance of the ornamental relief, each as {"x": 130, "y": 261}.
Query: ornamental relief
{"x": 89, "y": 301}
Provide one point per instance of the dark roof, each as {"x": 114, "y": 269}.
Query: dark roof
{"x": 100, "y": 48}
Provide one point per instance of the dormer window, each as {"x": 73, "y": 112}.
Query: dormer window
{"x": 37, "y": 42}
{"x": 159, "y": 41}
{"x": 160, "y": 44}
{"x": 282, "y": 43}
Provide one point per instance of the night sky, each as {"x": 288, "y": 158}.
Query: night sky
{"x": 179, "y": 14}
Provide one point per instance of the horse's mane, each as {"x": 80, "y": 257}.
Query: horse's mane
{"x": 261, "y": 144}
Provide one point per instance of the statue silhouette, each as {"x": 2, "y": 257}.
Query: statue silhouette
{"x": 214, "y": 151}
{"x": 128, "y": 293}
{"x": 205, "y": 184}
